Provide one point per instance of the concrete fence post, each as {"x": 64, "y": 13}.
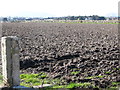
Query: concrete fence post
{"x": 10, "y": 61}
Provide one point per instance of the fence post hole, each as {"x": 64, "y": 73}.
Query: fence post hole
{"x": 10, "y": 61}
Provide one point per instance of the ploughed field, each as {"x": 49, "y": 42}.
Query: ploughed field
{"x": 71, "y": 52}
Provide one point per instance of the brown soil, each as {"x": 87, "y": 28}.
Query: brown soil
{"x": 62, "y": 48}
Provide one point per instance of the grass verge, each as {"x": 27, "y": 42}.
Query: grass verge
{"x": 30, "y": 80}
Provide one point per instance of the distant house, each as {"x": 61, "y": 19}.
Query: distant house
{"x": 5, "y": 19}
{"x": 102, "y": 18}
{"x": 89, "y": 18}
{"x": 28, "y": 19}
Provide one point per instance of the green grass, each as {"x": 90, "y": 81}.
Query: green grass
{"x": 28, "y": 76}
{"x": 75, "y": 72}
{"x": 30, "y": 80}
{"x": 115, "y": 83}
{"x": 75, "y": 85}
{"x": 112, "y": 88}
{"x": 92, "y": 77}
{"x": 1, "y": 79}
{"x": 107, "y": 72}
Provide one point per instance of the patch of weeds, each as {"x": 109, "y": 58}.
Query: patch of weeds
{"x": 100, "y": 76}
{"x": 115, "y": 83}
{"x": 61, "y": 86}
{"x": 33, "y": 79}
{"x": 27, "y": 76}
{"x": 85, "y": 85}
{"x": 112, "y": 88}
{"x": 75, "y": 72}
{"x": 108, "y": 73}
{"x": 75, "y": 85}
{"x": 31, "y": 82}
{"x": 25, "y": 84}
{"x": 42, "y": 75}
{"x": 92, "y": 77}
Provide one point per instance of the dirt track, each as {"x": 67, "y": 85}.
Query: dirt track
{"x": 62, "y": 48}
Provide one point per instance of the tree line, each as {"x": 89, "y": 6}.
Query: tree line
{"x": 94, "y": 17}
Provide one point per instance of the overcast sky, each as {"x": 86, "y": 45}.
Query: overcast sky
{"x": 55, "y": 8}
